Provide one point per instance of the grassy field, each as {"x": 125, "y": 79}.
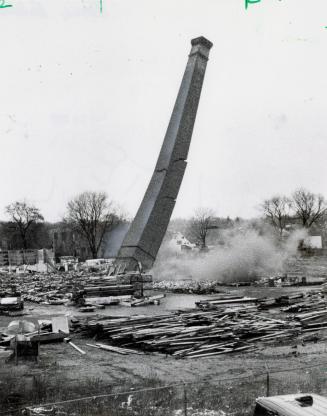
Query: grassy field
{"x": 228, "y": 383}
{"x": 233, "y": 397}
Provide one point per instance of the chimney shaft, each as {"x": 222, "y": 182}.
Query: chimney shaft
{"x": 149, "y": 226}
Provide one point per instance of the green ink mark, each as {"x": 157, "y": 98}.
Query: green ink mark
{"x": 247, "y": 2}
{"x": 100, "y": 6}
{"x": 3, "y": 5}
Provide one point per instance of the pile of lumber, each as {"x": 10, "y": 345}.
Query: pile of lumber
{"x": 108, "y": 290}
{"x": 112, "y": 286}
{"x": 315, "y": 319}
{"x": 305, "y": 306}
{"x": 296, "y": 302}
{"x": 192, "y": 333}
{"x": 220, "y": 325}
{"x": 222, "y": 300}
{"x": 284, "y": 300}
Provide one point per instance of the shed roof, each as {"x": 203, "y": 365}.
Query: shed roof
{"x": 287, "y": 405}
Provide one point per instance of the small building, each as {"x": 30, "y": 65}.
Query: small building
{"x": 179, "y": 242}
{"x": 312, "y": 242}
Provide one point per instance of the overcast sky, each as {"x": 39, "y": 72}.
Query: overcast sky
{"x": 86, "y": 98}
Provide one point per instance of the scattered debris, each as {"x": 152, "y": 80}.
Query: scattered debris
{"x": 10, "y": 303}
{"x": 68, "y": 341}
{"x": 35, "y": 332}
{"x": 5, "y": 353}
{"x": 42, "y": 411}
{"x": 123, "y": 351}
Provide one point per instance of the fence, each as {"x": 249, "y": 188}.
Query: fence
{"x": 213, "y": 396}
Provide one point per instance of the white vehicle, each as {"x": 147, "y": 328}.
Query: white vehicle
{"x": 291, "y": 405}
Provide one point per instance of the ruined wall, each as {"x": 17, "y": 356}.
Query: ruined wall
{"x": 20, "y": 257}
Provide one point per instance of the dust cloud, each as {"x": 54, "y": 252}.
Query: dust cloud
{"x": 245, "y": 255}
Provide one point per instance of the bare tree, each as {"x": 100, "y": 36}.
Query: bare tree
{"x": 93, "y": 216}
{"x": 309, "y": 207}
{"x": 277, "y": 210}
{"x": 200, "y": 225}
{"x": 23, "y": 217}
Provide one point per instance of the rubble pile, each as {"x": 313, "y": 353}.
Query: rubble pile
{"x": 202, "y": 287}
{"x": 87, "y": 290}
{"x": 62, "y": 287}
{"x": 51, "y": 288}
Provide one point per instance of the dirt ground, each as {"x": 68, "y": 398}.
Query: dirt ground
{"x": 60, "y": 363}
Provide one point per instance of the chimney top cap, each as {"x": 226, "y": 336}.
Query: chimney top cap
{"x": 201, "y": 40}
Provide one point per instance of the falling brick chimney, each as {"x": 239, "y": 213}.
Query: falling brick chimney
{"x": 149, "y": 226}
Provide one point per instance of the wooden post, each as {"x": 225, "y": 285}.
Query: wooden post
{"x": 16, "y": 352}
{"x": 140, "y": 274}
{"x": 185, "y": 401}
{"x": 267, "y": 381}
